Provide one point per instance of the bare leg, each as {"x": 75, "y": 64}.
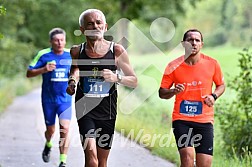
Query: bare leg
{"x": 203, "y": 160}
{"x": 90, "y": 152}
{"x": 47, "y": 149}
{"x": 49, "y": 132}
{"x": 102, "y": 157}
{"x": 64, "y": 139}
{"x": 187, "y": 157}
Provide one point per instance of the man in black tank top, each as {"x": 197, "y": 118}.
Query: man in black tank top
{"x": 94, "y": 75}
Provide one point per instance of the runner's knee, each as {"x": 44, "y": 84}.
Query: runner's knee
{"x": 187, "y": 157}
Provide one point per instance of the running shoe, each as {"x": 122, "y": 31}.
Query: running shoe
{"x": 62, "y": 164}
{"x": 46, "y": 154}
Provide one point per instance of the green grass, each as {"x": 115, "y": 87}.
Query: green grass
{"x": 12, "y": 87}
{"x": 143, "y": 112}
{"x": 220, "y": 159}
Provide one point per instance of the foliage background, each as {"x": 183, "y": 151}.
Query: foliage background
{"x": 27, "y": 23}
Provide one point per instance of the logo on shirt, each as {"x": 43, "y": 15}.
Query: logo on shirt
{"x": 193, "y": 83}
{"x": 95, "y": 71}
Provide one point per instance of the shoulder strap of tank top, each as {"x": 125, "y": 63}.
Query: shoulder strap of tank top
{"x": 112, "y": 48}
{"x": 82, "y": 47}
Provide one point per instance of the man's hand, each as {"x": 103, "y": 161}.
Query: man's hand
{"x": 109, "y": 76}
{"x": 50, "y": 67}
{"x": 209, "y": 100}
{"x": 71, "y": 88}
{"x": 165, "y": 93}
{"x": 178, "y": 88}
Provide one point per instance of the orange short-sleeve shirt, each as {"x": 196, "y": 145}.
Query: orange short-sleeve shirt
{"x": 198, "y": 80}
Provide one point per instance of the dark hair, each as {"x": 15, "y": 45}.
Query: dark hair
{"x": 55, "y": 31}
{"x": 192, "y": 30}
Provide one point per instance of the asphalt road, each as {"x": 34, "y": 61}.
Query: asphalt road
{"x": 22, "y": 141}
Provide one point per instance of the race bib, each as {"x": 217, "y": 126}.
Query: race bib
{"x": 59, "y": 75}
{"x": 96, "y": 87}
{"x": 191, "y": 108}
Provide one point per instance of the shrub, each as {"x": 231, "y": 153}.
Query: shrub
{"x": 236, "y": 116}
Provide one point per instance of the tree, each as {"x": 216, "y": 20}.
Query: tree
{"x": 236, "y": 116}
{"x": 144, "y": 10}
{"x": 2, "y": 12}
{"x": 15, "y": 52}
{"x": 27, "y": 22}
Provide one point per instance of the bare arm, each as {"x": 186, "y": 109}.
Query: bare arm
{"x": 169, "y": 93}
{"x": 36, "y": 72}
{"x": 74, "y": 70}
{"x": 219, "y": 90}
{"x": 122, "y": 61}
{"x": 209, "y": 99}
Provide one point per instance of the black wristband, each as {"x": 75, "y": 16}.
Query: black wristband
{"x": 214, "y": 96}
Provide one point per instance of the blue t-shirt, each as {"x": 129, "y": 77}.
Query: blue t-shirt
{"x": 55, "y": 82}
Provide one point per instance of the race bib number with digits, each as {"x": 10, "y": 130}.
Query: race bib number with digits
{"x": 59, "y": 75}
{"x": 191, "y": 108}
{"x": 96, "y": 87}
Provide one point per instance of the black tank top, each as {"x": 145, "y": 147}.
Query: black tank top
{"x": 98, "y": 97}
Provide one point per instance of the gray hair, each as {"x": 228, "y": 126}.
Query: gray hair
{"x": 55, "y": 31}
{"x": 88, "y": 11}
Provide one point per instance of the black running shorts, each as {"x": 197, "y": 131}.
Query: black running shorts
{"x": 101, "y": 130}
{"x": 193, "y": 134}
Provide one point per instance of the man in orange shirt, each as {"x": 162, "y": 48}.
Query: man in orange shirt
{"x": 190, "y": 78}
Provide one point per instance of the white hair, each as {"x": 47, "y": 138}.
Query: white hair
{"x": 88, "y": 11}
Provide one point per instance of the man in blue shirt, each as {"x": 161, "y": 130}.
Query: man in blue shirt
{"x": 54, "y": 65}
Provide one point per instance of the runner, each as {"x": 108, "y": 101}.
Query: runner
{"x": 54, "y": 65}
{"x": 96, "y": 74}
{"x": 190, "y": 78}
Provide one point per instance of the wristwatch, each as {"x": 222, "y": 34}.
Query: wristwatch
{"x": 214, "y": 96}
{"x": 119, "y": 77}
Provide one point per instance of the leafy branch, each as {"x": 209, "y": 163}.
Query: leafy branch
{"x": 236, "y": 116}
{"x": 2, "y": 12}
